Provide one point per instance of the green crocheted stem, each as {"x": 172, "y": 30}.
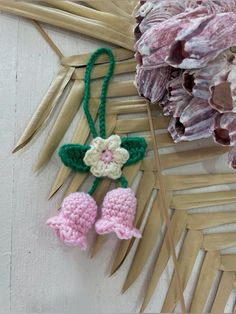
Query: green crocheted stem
{"x": 103, "y": 95}
{"x": 123, "y": 182}
{"x": 94, "y": 186}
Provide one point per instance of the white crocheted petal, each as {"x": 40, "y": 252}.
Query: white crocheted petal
{"x": 120, "y": 156}
{"x": 98, "y": 169}
{"x": 99, "y": 143}
{"x": 113, "y": 142}
{"x": 91, "y": 156}
{"x": 113, "y": 171}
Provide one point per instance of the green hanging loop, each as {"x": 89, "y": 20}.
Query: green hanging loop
{"x": 103, "y": 95}
{"x": 72, "y": 155}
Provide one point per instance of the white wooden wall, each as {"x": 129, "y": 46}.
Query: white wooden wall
{"x": 37, "y": 273}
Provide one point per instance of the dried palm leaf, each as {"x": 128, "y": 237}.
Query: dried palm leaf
{"x": 114, "y": 21}
{"x": 46, "y": 106}
{"x": 110, "y": 7}
{"x": 68, "y": 21}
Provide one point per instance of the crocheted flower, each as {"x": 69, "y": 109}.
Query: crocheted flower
{"x": 106, "y": 157}
{"x": 118, "y": 211}
{"x": 76, "y": 218}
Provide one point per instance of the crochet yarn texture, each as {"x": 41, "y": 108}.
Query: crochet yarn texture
{"x": 118, "y": 211}
{"x": 73, "y": 155}
{"x": 136, "y": 152}
{"x": 103, "y": 95}
{"x": 76, "y": 218}
{"x": 106, "y": 157}
{"x": 102, "y": 160}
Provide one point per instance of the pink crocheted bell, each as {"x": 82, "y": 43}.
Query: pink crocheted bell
{"x": 118, "y": 211}
{"x": 77, "y": 216}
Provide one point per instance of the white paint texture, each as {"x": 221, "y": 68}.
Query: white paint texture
{"x": 37, "y": 273}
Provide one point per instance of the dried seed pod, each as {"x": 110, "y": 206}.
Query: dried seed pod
{"x": 194, "y": 123}
{"x": 223, "y": 92}
{"x": 223, "y": 129}
{"x": 232, "y": 158}
{"x": 153, "y": 47}
{"x": 199, "y": 82}
{"x": 202, "y": 40}
{"x": 153, "y": 13}
{"x": 151, "y": 84}
{"x": 214, "y": 6}
{"x": 177, "y": 98}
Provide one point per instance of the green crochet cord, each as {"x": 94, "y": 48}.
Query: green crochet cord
{"x": 123, "y": 182}
{"x": 103, "y": 99}
{"x": 103, "y": 95}
{"x": 72, "y": 155}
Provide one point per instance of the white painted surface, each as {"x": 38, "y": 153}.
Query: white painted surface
{"x": 37, "y": 273}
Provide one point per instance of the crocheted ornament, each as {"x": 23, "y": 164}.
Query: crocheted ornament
{"x": 72, "y": 155}
{"x": 118, "y": 211}
{"x": 104, "y": 157}
{"x": 76, "y": 218}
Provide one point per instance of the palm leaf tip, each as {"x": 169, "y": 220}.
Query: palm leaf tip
{"x": 72, "y": 156}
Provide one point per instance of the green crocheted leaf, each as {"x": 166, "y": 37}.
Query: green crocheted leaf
{"x": 136, "y": 146}
{"x": 72, "y": 156}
